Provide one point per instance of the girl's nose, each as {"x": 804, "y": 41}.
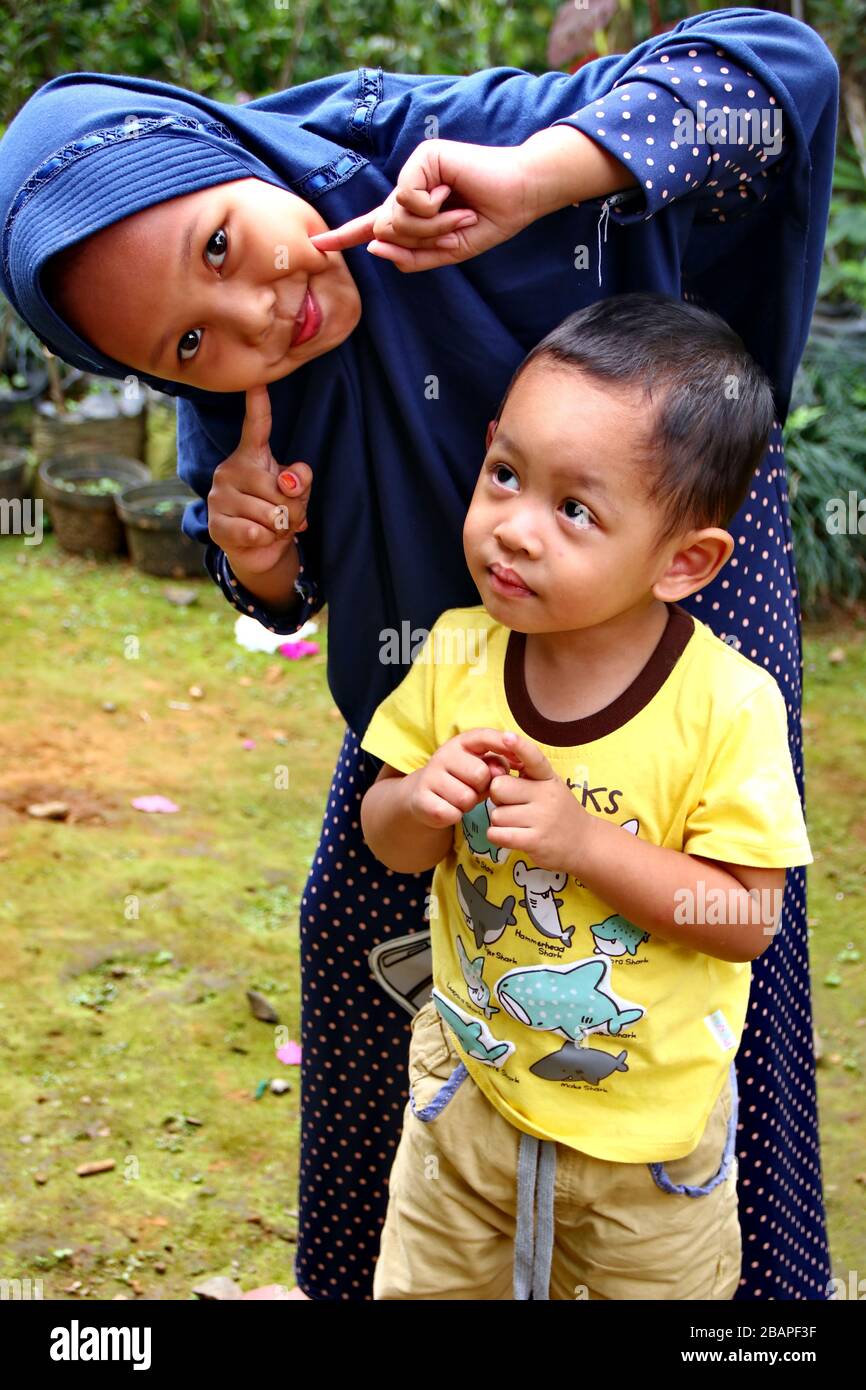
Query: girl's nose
{"x": 250, "y": 313}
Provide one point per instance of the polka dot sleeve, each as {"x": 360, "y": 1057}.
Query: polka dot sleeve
{"x": 689, "y": 121}
{"x": 306, "y": 604}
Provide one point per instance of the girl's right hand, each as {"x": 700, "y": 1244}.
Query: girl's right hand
{"x": 254, "y": 510}
{"x": 492, "y": 185}
{"x": 457, "y": 777}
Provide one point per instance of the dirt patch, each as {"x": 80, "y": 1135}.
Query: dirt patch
{"x": 84, "y": 807}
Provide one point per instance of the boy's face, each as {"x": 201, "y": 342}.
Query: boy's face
{"x": 222, "y": 317}
{"x": 560, "y": 502}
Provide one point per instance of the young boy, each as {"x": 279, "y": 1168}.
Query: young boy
{"x": 605, "y": 789}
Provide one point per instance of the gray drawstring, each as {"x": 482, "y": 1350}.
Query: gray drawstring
{"x": 533, "y": 1252}
{"x": 605, "y": 216}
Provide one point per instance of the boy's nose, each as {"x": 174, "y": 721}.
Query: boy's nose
{"x": 518, "y": 532}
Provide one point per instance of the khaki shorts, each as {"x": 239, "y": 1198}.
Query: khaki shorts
{"x": 621, "y": 1230}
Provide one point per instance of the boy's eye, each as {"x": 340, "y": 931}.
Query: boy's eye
{"x": 498, "y": 468}
{"x": 222, "y": 252}
{"x": 577, "y": 513}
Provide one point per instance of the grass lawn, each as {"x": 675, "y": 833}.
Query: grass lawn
{"x": 127, "y": 940}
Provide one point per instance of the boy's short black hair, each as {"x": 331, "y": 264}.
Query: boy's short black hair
{"x": 712, "y": 405}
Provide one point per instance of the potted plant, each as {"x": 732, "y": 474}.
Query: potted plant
{"x": 80, "y": 498}
{"x": 152, "y": 514}
{"x": 97, "y": 416}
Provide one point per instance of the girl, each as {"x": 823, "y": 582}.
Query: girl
{"x": 191, "y": 246}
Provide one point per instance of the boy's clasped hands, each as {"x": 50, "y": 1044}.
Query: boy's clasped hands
{"x": 534, "y": 813}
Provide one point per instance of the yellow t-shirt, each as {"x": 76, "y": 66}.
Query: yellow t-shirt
{"x": 577, "y": 1025}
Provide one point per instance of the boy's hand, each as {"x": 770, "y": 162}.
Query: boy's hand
{"x": 456, "y": 778}
{"x": 253, "y": 510}
{"x": 488, "y": 184}
{"x": 536, "y": 813}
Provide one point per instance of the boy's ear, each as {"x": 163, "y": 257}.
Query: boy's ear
{"x": 491, "y": 430}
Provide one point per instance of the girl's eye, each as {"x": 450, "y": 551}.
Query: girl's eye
{"x": 580, "y": 516}
{"x": 498, "y": 468}
{"x": 222, "y": 251}
{"x": 189, "y": 334}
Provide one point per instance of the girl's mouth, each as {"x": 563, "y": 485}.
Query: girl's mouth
{"x": 309, "y": 320}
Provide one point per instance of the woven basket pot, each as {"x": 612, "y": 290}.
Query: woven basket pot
{"x": 86, "y": 523}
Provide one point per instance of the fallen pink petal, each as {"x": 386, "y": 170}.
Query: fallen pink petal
{"x": 154, "y": 803}
{"x": 290, "y": 1053}
{"x": 294, "y": 650}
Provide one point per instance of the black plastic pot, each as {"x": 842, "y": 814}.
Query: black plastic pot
{"x": 152, "y": 514}
{"x": 14, "y": 482}
{"x": 11, "y": 396}
{"x": 86, "y": 521}
{"x": 35, "y": 374}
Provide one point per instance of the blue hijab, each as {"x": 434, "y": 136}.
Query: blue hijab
{"x": 392, "y": 421}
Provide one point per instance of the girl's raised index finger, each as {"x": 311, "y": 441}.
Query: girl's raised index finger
{"x": 256, "y": 428}
{"x": 352, "y": 233}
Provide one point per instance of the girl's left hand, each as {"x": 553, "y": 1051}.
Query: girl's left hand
{"x": 489, "y": 184}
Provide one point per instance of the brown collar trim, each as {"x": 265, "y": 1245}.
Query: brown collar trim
{"x": 571, "y": 732}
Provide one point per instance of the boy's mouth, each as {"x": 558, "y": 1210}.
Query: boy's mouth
{"x": 508, "y": 583}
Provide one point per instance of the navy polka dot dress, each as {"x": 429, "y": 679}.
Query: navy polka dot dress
{"x": 355, "y": 1037}
{"x": 753, "y": 603}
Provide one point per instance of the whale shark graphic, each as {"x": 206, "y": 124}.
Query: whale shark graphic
{"x": 617, "y": 936}
{"x": 479, "y": 990}
{"x": 488, "y": 920}
{"x": 566, "y": 999}
{"x": 473, "y": 1035}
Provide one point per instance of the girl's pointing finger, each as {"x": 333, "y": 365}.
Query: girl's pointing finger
{"x": 352, "y": 233}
